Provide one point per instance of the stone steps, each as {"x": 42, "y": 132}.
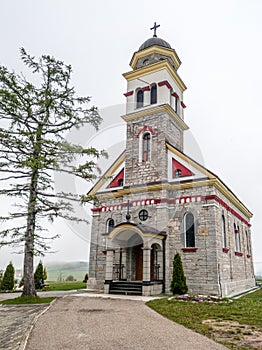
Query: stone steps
{"x": 126, "y": 288}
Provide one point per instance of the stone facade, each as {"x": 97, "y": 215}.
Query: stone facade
{"x": 140, "y": 225}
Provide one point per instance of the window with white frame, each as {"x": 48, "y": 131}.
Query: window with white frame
{"x": 139, "y": 98}
{"x": 153, "y": 94}
{"x": 110, "y": 224}
{"x": 248, "y": 243}
{"x": 224, "y": 236}
{"x": 189, "y": 225}
{"x": 146, "y": 146}
{"x": 237, "y": 238}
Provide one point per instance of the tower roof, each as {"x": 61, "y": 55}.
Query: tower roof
{"x": 154, "y": 41}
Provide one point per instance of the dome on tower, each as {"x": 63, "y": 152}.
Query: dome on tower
{"x": 154, "y": 41}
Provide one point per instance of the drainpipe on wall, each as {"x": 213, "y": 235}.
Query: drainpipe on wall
{"x": 164, "y": 265}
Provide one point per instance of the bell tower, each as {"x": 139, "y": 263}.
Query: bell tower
{"x": 154, "y": 111}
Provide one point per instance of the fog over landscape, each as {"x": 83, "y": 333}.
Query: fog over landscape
{"x": 218, "y": 44}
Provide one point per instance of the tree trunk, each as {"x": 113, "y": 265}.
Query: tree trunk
{"x": 29, "y": 283}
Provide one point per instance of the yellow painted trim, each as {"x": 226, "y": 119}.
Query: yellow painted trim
{"x": 156, "y": 109}
{"x": 156, "y": 49}
{"x": 107, "y": 174}
{"x": 232, "y": 198}
{"x": 152, "y": 68}
{"x": 191, "y": 162}
{"x": 157, "y": 187}
{"x": 178, "y": 186}
{"x": 116, "y": 230}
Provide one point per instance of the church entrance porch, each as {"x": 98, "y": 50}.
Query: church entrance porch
{"x": 134, "y": 260}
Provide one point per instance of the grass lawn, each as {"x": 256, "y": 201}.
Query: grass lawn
{"x": 27, "y": 300}
{"x": 53, "y": 286}
{"x": 237, "y": 324}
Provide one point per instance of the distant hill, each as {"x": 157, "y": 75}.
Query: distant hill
{"x": 60, "y": 270}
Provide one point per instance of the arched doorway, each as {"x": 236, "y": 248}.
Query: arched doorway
{"x": 134, "y": 260}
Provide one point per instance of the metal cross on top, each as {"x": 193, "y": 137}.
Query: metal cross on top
{"x": 155, "y": 28}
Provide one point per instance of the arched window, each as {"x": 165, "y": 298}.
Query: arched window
{"x": 120, "y": 182}
{"x": 189, "y": 230}
{"x": 248, "y": 244}
{"x": 146, "y": 147}
{"x": 177, "y": 173}
{"x": 237, "y": 238}
{"x": 153, "y": 95}
{"x": 110, "y": 225}
{"x": 139, "y": 99}
{"x": 224, "y": 237}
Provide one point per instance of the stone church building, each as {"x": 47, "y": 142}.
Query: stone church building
{"x": 155, "y": 200}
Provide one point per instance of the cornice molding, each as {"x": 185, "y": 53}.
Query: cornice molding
{"x": 152, "y": 68}
{"x": 156, "y": 49}
{"x": 215, "y": 182}
{"x": 156, "y": 109}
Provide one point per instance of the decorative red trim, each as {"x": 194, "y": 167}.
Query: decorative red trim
{"x": 166, "y": 83}
{"x": 227, "y": 207}
{"x": 182, "y": 104}
{"x": 175, "y": 94}
{"x": 95, "y": 210}
{"x": 129, "y": 93}
{"x": 248, "y": 256}
{"x": 180, "y": 200}
{"x": 146, "y": 88}
{"x": 238, "y": 254}
{"x": 225, "y": 250}
{"x": 189, "y": 250}
{"x": 236, "y": 231}
{"x": 152, "y": 131}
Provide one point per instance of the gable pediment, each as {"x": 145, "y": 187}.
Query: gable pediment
{"x": 183, "y": 168}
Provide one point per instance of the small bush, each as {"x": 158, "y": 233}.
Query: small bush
{"x": 70, "y": 278}
{"x": 39, "y": 276}
{"x": 85, "y": 278}
{"x": 8, "y": 280}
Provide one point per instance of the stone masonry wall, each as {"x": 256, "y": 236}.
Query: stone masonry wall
{"x": 138, "y": 172}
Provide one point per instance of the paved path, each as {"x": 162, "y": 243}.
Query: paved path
{"x": 16, "y": 321}
{"x": 15, "y": 324}
{"x": 82, "y": 322}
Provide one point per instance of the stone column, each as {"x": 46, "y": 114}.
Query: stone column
{"x": 146, "y": 271}
{"x": 147, "y": 97}
{"x": 124, "y": 262}
{"x": 160, "y": 262}
{"x": 109, "y": 269}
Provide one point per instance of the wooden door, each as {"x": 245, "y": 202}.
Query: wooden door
{"x": 139, "y": 262}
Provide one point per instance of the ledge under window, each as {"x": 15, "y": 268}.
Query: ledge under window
{"x": 238, "y": 254}
{"x": 189, "y": 250}
{"x": 225, "y": 250}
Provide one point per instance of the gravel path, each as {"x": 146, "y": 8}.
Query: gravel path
{"x": 82, "y": 322}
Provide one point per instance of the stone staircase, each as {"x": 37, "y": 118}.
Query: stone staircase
{"x": 126, "y": 288}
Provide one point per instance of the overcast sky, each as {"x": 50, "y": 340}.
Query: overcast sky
{"x": 219, "y": 44}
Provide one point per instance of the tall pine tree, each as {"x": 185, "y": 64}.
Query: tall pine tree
{"x": 34, "y": 121}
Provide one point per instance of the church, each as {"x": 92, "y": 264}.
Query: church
{"x": 155, "y": 200}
